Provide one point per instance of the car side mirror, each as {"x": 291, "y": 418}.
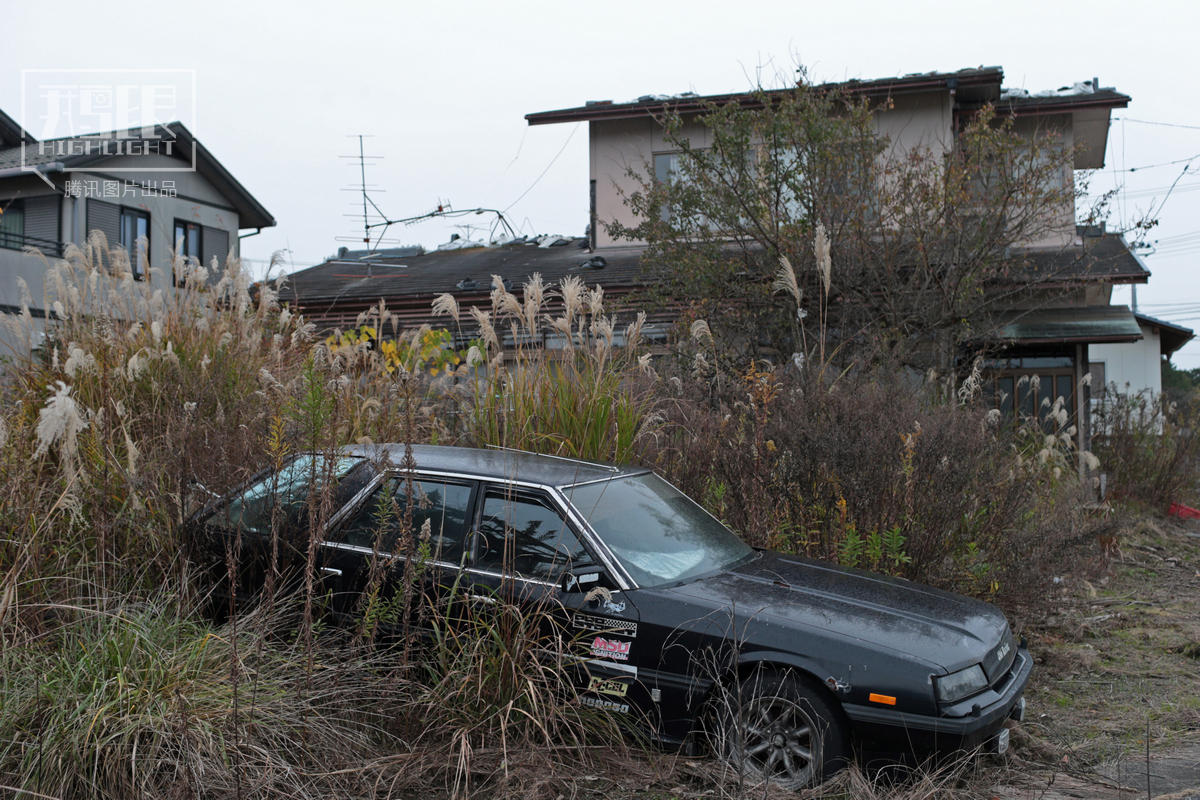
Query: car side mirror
{"x": 580, "y": 579}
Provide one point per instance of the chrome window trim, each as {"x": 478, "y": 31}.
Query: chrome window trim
{"x": 563, "y": 509}
{"x": 370, "y": 551}
{"x": 558, "y": 500}
{"x": 514, "y": 577}
{"x": 623, "y": 579}
{"x": 401, "y": 472}
{"x": 354, "y": 502}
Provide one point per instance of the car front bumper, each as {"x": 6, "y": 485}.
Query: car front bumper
{"x": 966, "y": 726}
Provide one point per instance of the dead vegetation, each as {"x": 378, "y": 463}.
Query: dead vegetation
{"x": 114, "y": 684}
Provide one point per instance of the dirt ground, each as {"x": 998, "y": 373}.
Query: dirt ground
{"x": 1114, "y": 704}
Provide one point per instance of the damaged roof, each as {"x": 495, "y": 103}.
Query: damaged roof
{"x": 980, "y": 84}
{"x": 460, "y": 271}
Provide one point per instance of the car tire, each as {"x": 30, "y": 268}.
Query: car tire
{"x": 776, "y": 727}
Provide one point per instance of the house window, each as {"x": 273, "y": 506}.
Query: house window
{"x": 1027, "y": 388}
{"x": 187, "y": 239}
{"x": 671, "y": 169}
{"x": 666, "y": 171}
{"x": 12, "y": 225}
{"x": 135, "y": 238}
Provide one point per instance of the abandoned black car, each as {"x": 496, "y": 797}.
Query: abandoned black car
{"x": 788, "y": 660}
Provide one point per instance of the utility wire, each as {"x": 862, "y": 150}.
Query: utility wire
{"x": 1162, "y": 124}
{"x": 547, "y": 169}
{"x": 1187, "y": 160}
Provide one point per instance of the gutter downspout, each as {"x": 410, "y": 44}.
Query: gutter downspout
{"x": 241, "y": 236}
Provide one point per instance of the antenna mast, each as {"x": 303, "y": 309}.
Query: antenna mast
{"x": 382, "y": 222}
{"x": 362, "y": 171}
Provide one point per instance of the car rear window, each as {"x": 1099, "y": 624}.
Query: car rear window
{"x": 284, "y": 495}
{"x": 440, "y": 507}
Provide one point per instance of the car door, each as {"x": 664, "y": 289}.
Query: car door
{"x": 522, "y": 547}
{"x": 363, "y": 562}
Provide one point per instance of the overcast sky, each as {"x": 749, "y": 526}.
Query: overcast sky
{"x": 442, "y": 90}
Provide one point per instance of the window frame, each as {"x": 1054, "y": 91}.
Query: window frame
{"x": 132, "y": 213}
{"x": 359, "y": 503}
{"x": 13, "y": 240}
{"x": 516, "y": 492}
{"x": 175, "y": 242}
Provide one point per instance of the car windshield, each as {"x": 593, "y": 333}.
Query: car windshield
{"x": 659, "y": 534}
{"x": 286, "y": 493}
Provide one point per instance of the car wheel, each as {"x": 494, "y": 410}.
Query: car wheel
{"x": 777, "y": 728}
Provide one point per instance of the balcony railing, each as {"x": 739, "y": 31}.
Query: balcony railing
{"x": 19, "y": 241}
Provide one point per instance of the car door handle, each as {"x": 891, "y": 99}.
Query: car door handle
{"x": 337, "y": 573}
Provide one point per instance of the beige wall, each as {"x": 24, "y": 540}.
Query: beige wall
{"x": 1060, "y": 227}
{"x": 195, "y": 201}
{"x": 917, "y": 122}
{"x": 913, "y": 122}
{"x": 617, "y": 147}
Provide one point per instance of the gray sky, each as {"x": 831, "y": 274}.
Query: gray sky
{"x": 442, "y": 90}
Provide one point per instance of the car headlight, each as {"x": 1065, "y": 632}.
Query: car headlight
{"x": 957, "y": 685}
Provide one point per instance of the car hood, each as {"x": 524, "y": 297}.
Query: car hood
{"x": 785, "y": 594}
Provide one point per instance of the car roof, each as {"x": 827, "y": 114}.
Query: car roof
{"x": 497, "y": 464}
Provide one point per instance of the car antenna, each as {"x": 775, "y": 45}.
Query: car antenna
{"x": 609, "y": 467}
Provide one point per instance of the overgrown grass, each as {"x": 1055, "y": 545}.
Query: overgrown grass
{"x": 555, "y": 384}
{"x": 1149, "y": 448}
{"x": 143, "y": 403}
{"x": 872, "y": 470}
{"x": 140, "y": 700}
{"x": 137, "y": 408}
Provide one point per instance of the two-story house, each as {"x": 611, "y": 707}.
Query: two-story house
{"x": 1069, "y": 269}
{"x": 157, "y": 188}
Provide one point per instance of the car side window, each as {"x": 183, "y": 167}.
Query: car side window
{"x": 525, "y": 535}
{"x": 440, "y": 505}
{"x": 283, "y": 498}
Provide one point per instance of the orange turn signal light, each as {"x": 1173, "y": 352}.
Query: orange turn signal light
{"x": 886, "y": 699}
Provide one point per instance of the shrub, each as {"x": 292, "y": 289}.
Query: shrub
{"x": 1149, "y": 448}
{"x": 872, "y": 471}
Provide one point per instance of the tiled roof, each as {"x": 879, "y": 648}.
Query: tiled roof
{"x": 1098, "y": 257}
{"x": 464, "y": 271}
{"x": 1068, "y": 325}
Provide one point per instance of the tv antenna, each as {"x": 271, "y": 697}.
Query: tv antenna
{"x": 374, "y": 220}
